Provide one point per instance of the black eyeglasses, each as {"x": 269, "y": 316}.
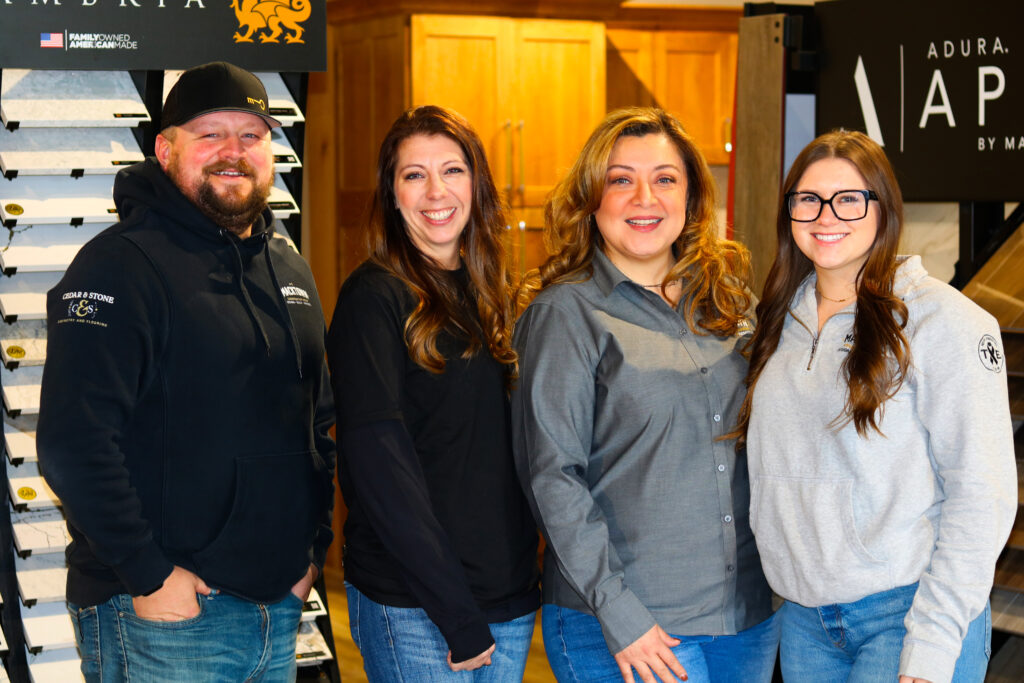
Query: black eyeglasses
{"x": 847, "y": 205}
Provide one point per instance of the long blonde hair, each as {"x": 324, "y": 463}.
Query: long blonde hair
{"x": 714, "y": 272}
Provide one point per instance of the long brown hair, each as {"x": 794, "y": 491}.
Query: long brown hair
{"x": 714, "y": 271}
{"x": 877, "y": 364}
{"x": 480, "y": 245}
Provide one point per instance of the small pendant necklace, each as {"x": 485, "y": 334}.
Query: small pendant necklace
{"x": 667, "y": 284}
{"x": 828, "y": 298}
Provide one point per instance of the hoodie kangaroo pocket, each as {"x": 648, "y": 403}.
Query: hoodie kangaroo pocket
{"x": 808, "y": 540}
{"x": 263, "y": 547}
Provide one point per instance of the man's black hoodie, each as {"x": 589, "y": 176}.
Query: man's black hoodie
{"x": 185, "y": 403}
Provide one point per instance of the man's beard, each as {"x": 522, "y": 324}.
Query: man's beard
{"x": 232, "y": 211}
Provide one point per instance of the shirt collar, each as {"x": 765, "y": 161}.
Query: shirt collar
{"x": 604, "y": 273}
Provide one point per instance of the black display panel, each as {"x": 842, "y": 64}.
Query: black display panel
{"x": 940, "y": 83}
{"x": 260, "y": 35}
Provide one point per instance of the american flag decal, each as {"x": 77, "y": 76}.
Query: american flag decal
{"x": 51, "y": 40}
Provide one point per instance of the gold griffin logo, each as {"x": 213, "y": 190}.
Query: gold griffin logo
{"x": 269, "y": 19}
{"x": 261, "y": 103}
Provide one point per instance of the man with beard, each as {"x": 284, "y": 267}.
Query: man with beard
{"x": 185, "y": 408}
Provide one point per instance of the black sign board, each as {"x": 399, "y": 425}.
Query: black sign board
{"x": 939, "y": 83}
{"x": 260, "y": 35}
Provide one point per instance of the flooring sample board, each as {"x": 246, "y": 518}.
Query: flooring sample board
{"x": 44, "y": 247}
{"x": 20, "y": 438}
{"x": 3, "y": 650}
{"x": 23, "y": 343}
{"x": 285, "y": 158}
{"x": 281, "y": 201}
{"x": 38, "y": 532}
{"x": 311, "y": 646}
{"x": 313, "y": 607}
{"x": 63, "y": 99}
{"x": 56, "y": 666}
{"x": 21, "y": 389}
{"x": 41, "y": 578}
{"x": 32, "y": 200}
{"x": 28, "y": 489}
{"x": 23, "y": 296}
{"x": 47, "y": 626}
{"x": 67, "y": 151}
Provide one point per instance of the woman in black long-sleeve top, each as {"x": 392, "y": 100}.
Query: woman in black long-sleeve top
{"x": 440, "y": 552}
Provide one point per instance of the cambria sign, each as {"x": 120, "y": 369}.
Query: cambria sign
{"x": 938, "y": 83}
{"x": 260, "y": 35}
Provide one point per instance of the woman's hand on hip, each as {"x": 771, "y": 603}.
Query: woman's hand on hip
{"x": 482, "y": 659}
{"x": 651, "y": 655}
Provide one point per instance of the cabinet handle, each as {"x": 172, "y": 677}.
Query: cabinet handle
{"x": 727, "y": 133}
{"x": 509, "y": 172}
{"x": 522, "y": 159}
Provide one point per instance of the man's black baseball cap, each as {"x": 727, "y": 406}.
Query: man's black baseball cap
{"x": 217, "y": 86}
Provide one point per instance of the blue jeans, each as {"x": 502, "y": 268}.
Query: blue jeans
{"x": 861, "y": 641}
{"x": 402, "y": 645}
{"x": 230, "y": 640}
{"x": 577, "y": 651}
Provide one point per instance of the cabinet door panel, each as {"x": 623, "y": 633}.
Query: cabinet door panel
{"x": 462, "y": 63}
{"x": 695, "y": 78}
{"x": 630, "y": 69}
{"x": 559, "y": 98}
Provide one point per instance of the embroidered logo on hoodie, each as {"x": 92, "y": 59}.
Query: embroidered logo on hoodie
{"x": 990, "y": 354}
{"x": 295, "y": 295}
{"x": 84, "y": 307}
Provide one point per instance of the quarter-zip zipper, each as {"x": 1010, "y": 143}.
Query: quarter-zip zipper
{"x": 814, "y": 347}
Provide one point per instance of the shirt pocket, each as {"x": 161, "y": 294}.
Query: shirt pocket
{"x": 808, "y": 540}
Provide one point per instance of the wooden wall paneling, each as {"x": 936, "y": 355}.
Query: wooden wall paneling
{"x": 760, "y": 119}
{"x": 560, "y": 98}
{"x": 629, "y": 69}
{"x": 464, "y": 63}
{"x": 695, "y": 72}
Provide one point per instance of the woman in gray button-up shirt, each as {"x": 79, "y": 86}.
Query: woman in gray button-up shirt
{"x": 630, "y": 371}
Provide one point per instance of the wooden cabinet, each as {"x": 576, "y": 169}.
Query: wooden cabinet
{"x": 532, "y": 88}
{"x": 691, "y": 74}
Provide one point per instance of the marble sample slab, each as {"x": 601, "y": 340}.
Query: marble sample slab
{"x": 23, "y": 343}
{"x": 23, "y": 296}
{"x": 281, "y": 201}
{"x": 32, "y": 200}
{"x": 21, "y": 389}
{"x": 28, "y": 489}
{"x": 67, "y": 151}
{"x": 43, "y": 247}
{"x": 313, "y": 607}
{"x": 285, "y": 158}
{"x": 47, "y": 627}
{"x": 38, "y": 532}
{"x": 32, "y": 98}
{"x": 20, "y": 438}
{"x": 41, "y": 578}
{"x": 56, "y": 666}
{"x": 311, "y": 646}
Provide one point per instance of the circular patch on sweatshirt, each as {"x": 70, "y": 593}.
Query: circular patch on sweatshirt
{"x": 990, "y": 353}
{"x": 15, "y": 351}
{"x": 27, "y": 493}
{"x": 14, "y": 209}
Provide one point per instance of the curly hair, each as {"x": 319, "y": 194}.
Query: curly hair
{"x": 714, "y": 272}
{"x": 480, "y": 246}
{"x": 877, "y": 364}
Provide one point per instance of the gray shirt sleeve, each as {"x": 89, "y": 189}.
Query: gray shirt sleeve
{"x": 552, "y": 420}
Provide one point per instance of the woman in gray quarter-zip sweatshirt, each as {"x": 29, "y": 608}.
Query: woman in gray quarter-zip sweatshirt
{"x": 879, "y": 439}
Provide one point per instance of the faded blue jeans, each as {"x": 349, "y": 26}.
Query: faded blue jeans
{"x": 578, "y": 653}
{"x": 231, "y": 640}
{"x": 860, "y": 642}
{"x": 402, "y": 645}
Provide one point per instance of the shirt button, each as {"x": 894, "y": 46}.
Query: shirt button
{"x": 730, "y": 568}
{"x": 682, "y": 332}
{"x": 727, "y": 519}
{"x": 717, "y": 418}
{"x": 721, "y": 468}
{"x": 703, "y": 371}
